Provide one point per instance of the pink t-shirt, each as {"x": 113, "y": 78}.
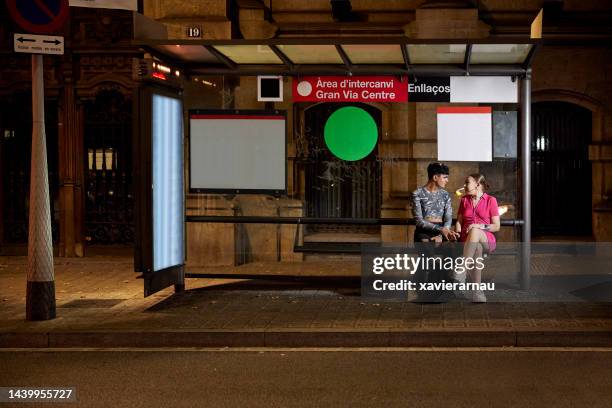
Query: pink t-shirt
{"x": 481, "y": 214}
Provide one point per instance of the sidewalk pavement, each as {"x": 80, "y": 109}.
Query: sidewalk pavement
{"x": 100, "y": 303}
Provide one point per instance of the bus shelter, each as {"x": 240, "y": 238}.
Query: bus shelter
{"x": 160, "y": 238}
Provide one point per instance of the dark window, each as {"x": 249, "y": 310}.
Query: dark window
{"x": 15, "y": 154}
{"x": 561, "y": 170}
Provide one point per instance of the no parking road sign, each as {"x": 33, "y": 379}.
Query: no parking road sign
{"x": 39, "y": 16}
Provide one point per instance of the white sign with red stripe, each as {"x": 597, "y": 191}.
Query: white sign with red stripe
{"x": 465, "y": 133}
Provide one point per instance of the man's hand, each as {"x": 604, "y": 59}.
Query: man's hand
{"x": 448, "y": 234}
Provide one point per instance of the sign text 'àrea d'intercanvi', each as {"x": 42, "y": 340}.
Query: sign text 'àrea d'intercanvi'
{"x": 355, "y": 89}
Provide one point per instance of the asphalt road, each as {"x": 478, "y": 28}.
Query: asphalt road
{"x": 338, "y": 378}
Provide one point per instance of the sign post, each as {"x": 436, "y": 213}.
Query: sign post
{"x": 39, "y": 16}
{"x": 40, "y": 295}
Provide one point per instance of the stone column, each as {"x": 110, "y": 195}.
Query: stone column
{"x": 395, "y": 151}
{"x": 212, "y": 244}
{"x": 263, "y": 240}
{"x": 70, "y": 170}
{"x": 290, "y": 208}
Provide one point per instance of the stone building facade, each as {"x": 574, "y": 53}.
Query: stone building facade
{"x": 88, "y": 109}
{"x": 572, "y": 67}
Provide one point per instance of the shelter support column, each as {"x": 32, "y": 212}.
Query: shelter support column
{"x": 526, "y": 179}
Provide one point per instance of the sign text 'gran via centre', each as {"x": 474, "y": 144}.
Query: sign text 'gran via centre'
{"x": 350, "y": 89}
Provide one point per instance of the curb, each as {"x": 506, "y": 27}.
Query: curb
{"x": 309, "y": 338}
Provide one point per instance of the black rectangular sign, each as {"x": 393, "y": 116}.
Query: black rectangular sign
{"x": 429, "y": 89}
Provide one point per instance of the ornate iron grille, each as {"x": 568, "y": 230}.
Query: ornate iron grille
{"x": 561, "y": 170}
{"x": 336, "y": 188}
{"x": 15, "y": 155}
{"x": 109, "y": 193}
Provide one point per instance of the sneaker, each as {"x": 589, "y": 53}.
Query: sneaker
{"x": 460, "y": 294}
{"x": 413, "y": 296}
{"x": 459, "y": 277}
{"x": 479, "y": 297}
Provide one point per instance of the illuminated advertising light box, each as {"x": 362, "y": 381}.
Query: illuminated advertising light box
{"x": 159, "y": 251}
{"x": 167, "y": 166}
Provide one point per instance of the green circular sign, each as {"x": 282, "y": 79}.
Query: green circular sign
{"x": 350, "y": 133}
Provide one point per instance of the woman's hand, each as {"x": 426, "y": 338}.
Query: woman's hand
{"x": 458, "y": 225}
{"x": 478, "y": 226}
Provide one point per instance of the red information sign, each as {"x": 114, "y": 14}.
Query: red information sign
{"x": 377, "y": 88}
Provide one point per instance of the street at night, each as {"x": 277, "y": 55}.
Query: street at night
{"x": 315, "y": 377}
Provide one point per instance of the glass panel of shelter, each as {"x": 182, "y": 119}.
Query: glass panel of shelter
{"x": 499, "y": 53}
{"x": 249, "y": 54}
{"x": 436, "y": 53}
{"x": 374, "y": 54}
{"x": 312, "y": 54}
{"x": 189, "y": 53}
{"x": 357, "y": 53}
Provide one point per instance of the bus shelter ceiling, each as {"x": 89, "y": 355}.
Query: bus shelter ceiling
{"x": 342, "y": 56}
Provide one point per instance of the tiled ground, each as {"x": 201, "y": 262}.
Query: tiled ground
{"x": 103, "y": 293}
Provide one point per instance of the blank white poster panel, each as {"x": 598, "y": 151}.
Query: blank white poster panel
{"x": 493, "y": 89}
{"x": 241, "y": 152}
{"x": 465, "y": 134}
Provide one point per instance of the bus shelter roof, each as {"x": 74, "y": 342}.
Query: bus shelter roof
{"x": 346, "y": 55}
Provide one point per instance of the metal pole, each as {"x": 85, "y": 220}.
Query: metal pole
{"x": 526, "y": 179}
{"x": 40, "y": 294}
{"x": 256, "y": 219}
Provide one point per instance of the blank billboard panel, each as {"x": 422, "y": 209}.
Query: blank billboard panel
{"x": 242, "y": 152}
{"x": 465, "y": 134}
{"x": 483, "y": 89}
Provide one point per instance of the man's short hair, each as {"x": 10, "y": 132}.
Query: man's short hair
{"x": 437, "y": 168}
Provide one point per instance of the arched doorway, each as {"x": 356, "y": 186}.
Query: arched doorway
{"x": 336, "y": 188}
{"x": 561, "y": 170}
{"x": 109, "y": 191}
